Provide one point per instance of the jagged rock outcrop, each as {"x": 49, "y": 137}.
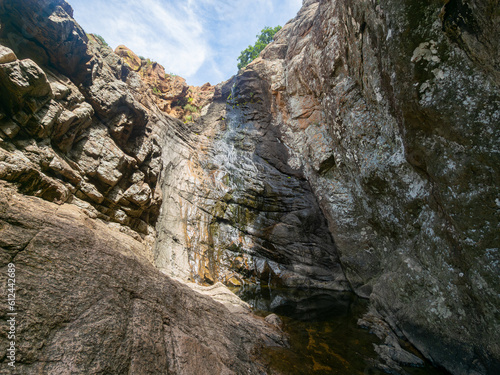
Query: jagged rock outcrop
{"x": 390, "y": 110}
{"x": 169, "y": 92}
{"x": 80, "y": 193}
{"x": 91, "y": 145}
{"x": 360, "y": 151}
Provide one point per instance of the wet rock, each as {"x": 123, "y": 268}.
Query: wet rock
{"x": 390, "y": 351}
{"x": 375, "y": 104}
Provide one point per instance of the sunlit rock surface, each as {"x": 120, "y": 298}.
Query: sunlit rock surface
{"x": 360, "y": 151}
{"x": 81, "y": 144}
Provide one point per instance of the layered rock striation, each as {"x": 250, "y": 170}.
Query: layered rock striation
{"x": 382, "y": 119}
{"x": 358, "y": 152}
{"x": 390, "y": 110}
{"x": 81, "y": 152}
{"x": 235, "y": 212}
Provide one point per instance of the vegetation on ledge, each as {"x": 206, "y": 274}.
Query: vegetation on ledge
{"x": 265, "y": 37}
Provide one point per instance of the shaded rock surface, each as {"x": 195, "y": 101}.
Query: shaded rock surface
{"x": 390, "y": 110}
{"x": 89, "y": 301}
{"x": 360, "y": 151}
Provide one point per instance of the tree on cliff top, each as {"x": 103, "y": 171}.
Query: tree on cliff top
{"x": 265, "y": 37}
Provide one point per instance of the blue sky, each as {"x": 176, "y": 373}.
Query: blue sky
{"x": 199, "y": 40}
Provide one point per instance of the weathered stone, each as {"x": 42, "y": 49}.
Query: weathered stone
{"x": 9, "y": 128}
{"x": 139, "y": 194}
{"x": 61, "y": 167}
{"x": 129, "y": 57}
{"x": 91, "y": 191}
{"x": 359, "y": 151}
{"x": 24, "y": 87}
{"x": 83, "y": 285}
{"x": 397, "y": 159}
{"x": 274, "y": 320}
{"x": 7, "y": 55}
{"x": 50, "y": 23}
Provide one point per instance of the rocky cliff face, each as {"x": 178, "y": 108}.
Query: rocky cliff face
{"x": 81, "y": 151}
{"x": 170, "y": 92}
{"x": 379, "y": 122}
{"x": 390, "y": 111}
{"x": 360, "y": 151}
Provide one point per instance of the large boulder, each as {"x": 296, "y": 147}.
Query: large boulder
{"x": 88, "y": 300}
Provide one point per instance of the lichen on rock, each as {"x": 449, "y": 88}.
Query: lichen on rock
{"x": 358, "y": 152}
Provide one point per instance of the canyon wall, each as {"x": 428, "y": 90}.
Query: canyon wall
{"x": 358, "y": 152}
{"x": 362, "y": 146}
{"x": 81, "y": 144}
{"x": 390, "y": 109}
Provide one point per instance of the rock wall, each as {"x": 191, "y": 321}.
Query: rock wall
{"x": 360, "y": 151}
{"x": 234, "y": 211}
{"x": 91, "y": 145}
{"x": 81, "y": 158}
{"x": 169, "y": 92}
{"x": 390, "y": 110}
{"x": 89, "y": 301}
{"x": 375, "y": 122}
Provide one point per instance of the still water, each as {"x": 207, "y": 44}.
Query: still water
{"x": 323, "y": 332}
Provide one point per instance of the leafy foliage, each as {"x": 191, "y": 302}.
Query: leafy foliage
{"x": 265, "y": 37}
{"x": 190, "y": 108}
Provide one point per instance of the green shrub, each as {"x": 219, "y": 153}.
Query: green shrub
{"x": 190, "y": 108}
{"x": 156, "y": 91}
{"x": 100, "y": 39}
{"x": 265, "y": 37}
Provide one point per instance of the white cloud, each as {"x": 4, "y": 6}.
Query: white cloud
{"x": 197, "y": 39}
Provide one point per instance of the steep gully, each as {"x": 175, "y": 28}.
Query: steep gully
{"x": 359, "y": 152}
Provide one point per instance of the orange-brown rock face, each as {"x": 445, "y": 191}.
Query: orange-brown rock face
{"x": 130, "y": 58}
{"x": 169, "y": 92}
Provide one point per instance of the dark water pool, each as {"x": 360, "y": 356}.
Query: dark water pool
{"x": 323, "y": 331}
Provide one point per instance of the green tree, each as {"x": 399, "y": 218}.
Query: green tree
{"x": 265, "y": 37}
